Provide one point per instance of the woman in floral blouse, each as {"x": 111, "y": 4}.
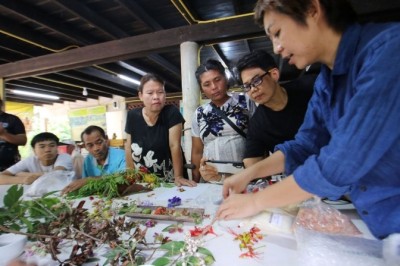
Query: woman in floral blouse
{"x": 212, "y": 136}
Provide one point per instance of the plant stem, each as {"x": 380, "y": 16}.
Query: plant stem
{"x": 8, "y": 230}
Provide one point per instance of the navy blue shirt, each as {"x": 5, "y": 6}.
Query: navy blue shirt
{"x": 349, "y": 142}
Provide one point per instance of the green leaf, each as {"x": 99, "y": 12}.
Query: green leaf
{"x": 206, "y": 252}
{"x": 49, "y": 193}
{"x": 168, "y": 185}
{"x": 114, "y": 252}
{"x": 173, "y": 248}
{"x": 28, "y": 224}
{"x": 13, "y": 195}
{"x": 194, "y": 260}
{"x": 166, "y": 229}
{"x": 209, "y": 260}
{"x": 172, "y": 245}
{"x": 38, "y": 212}
{"x": 161, "y": 261}
{"x": 15, "y": 227}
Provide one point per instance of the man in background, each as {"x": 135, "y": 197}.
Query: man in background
{"x": 102, "y": 159}
{"x": 12, "y": 134}
{"x": 76, "y": 156}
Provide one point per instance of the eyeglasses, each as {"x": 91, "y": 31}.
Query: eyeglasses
{"x": 256, "y": 81}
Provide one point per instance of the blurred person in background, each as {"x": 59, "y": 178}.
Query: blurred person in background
{"x": 76, "y": 156}
{"x": 12, "y": 135}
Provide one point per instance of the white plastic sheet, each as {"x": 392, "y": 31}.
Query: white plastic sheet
{"x": 52, "y": 181}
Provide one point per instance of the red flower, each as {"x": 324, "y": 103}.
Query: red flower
{"x": 197, "y": 231}
{"x": 143, "y": 169}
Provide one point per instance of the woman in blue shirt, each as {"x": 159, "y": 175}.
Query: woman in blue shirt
{"x": 349, "y": 142}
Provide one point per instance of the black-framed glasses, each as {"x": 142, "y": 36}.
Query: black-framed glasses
{"x": 256, "y": 81}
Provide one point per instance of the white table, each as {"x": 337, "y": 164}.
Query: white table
{"x": 278, "y": 249}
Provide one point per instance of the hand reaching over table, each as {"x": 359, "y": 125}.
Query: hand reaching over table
{"x": 181, "y": 181}
{"x": 238, "y": 206}
{"x": 75, "y": 185}
{"x": 236, "y": 183}
{"x": 208, "y": 172}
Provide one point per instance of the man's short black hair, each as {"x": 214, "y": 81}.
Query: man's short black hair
{"x": 91, "y": 129}
{"x": 256, "y": 59}
{"x": 44, "y": 136}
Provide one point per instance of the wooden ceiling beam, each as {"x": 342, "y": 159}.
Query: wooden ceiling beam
{"x": 131, "y": 47}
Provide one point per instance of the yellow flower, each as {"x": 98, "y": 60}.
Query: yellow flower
{"x": 149, "y": 178}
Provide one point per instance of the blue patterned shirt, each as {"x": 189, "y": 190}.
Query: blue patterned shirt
{"x": 221, "y": 141}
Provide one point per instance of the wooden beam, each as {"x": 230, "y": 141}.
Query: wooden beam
{"x": 131, "y": 47}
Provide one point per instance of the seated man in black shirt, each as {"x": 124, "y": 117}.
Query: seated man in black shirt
{"x": 281, "y": 108}
{"x": 12, "y": 134}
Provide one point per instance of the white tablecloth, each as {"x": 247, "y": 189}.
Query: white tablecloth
{"x": 277, "y": 249}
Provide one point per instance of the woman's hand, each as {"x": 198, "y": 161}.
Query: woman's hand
{"x": 234, "y": 184}
{"x": 238, "y": 206}
{"x": 181, "y": 181}
{"x": 208, "y": 172}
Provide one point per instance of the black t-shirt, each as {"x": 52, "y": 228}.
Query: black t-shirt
{"x": 9, "y": 154}
{"x": 268, "y": 128}
{"x": 150, "y": 144}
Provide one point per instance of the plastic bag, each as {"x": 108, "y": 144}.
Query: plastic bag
{"x": 272, "y": 221}
{"x": 318, "y": 216}
{"x": 316, "y": 249}
{"x": 52, "y": 181}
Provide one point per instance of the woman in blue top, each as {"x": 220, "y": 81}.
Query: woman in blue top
{"x": 349, "y": 142}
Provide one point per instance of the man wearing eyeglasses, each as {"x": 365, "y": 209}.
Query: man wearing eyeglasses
{"x": 281, "y": 108}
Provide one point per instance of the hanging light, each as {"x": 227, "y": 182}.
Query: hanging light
{"x": 85, "y": 92}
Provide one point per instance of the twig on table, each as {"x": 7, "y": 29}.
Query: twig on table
{"x": 83, "y": 233}
{"x": 8, "y": 230}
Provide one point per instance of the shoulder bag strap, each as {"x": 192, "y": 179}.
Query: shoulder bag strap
{"x": 222, "y": 114}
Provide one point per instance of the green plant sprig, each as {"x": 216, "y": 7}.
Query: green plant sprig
{"x": 108, "y": 185}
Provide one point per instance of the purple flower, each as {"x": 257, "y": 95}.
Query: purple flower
{"x": 175, "y": 201}
{"x": 150, "y": 223}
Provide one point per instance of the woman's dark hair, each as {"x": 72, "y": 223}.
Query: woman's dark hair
{"x": 339, "y": 13}
{"x": 91, "y": 129}
{"x": 210, "y": 64}
{"x": 150, "y": 76}
{"x": 256, "y": 59}
{"x": 44, "y": 136}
